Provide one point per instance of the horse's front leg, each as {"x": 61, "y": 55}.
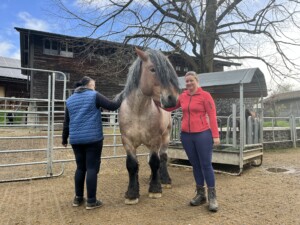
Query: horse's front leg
{"x": 133, "y": 193}
{"x": 165, "y": 178}
{"x": 164, "y": 174}
{"x": 155, "y": 190}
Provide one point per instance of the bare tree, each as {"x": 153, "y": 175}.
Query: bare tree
{"x": 210, "y": 29}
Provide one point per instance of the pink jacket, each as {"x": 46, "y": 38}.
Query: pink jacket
{"x": 195, "y": 109}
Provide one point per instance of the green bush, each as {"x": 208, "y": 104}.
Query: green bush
{"x": 17, "y": 117}
{"x": 1, "y": 117}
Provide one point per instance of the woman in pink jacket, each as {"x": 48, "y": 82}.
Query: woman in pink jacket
{"x": 198, "y": 135}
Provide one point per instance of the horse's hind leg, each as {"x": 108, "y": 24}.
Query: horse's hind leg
{"x": 133, "y": 193}
{"x": 155, "y": 185}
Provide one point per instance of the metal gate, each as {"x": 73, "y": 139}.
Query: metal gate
{"x": 30, "y": 143}
{"x": 27, "y": 132}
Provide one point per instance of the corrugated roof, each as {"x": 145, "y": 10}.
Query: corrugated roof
{"x": 11, "y": 73}
{"x": 227, "y": 84}
{"x": 283, "y": 96}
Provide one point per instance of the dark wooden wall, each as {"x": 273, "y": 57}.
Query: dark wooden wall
{"x": 104, "y": 64}
{"x": 15, "y": 88}
{"x": 106, "y": 83}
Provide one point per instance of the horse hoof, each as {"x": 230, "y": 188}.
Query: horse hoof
{"x": 154, "y": 195}
{"x": 131, "y": 201}
{"x": 166, "y": 186}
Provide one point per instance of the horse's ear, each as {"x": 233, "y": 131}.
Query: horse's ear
{"x": 141, "y": 54}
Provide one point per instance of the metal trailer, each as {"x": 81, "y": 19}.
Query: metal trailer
{"x": 240, "y": 146}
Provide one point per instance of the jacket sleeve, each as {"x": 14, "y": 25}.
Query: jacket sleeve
{"x": 103, "y": 102}
{"x": 210, "y": 108}
{"x": 65, "y": 133}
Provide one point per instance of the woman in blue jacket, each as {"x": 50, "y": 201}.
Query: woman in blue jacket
{"x": 83, "y": 126}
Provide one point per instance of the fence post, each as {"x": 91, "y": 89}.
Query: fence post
{"x": 293, "y": 130}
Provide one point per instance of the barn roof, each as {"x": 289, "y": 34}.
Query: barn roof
{"x": 283, "y": 96}
{"x": 227, "y": 84}
{"x": 11, "y": 73}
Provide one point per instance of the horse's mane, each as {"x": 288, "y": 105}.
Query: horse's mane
{"x": 163, "y": 68}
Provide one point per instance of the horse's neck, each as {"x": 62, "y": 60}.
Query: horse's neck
{"x": 139, "y": 102}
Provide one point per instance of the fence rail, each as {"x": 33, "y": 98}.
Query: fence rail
{"x": 30, "y": 144}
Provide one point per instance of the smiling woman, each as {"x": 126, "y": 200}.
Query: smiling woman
{"x": 198, "y": 135}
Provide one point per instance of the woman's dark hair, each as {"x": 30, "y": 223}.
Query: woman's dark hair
{"x": 84, "y": 81}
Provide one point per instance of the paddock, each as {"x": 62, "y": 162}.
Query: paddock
{"x": 31, "y": 149}
{"x": 261, "y": 195}
{"x": 256, "y": 197}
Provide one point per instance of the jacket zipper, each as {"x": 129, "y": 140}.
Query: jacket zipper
{"x": 201, "y": 119}
{"x": 189, "y": 113}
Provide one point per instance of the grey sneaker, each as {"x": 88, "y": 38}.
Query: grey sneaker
{"x": 78, "y": 201}
{"x": 94, "y": 205}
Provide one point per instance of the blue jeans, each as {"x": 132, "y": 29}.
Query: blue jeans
{"x": 88, "y": 159}
{"x": 198, "y": 147}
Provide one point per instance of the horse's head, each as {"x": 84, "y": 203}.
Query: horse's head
{"x": 158, "y": 78}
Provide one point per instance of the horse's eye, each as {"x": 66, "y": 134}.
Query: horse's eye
{"x": 152, "y": 70}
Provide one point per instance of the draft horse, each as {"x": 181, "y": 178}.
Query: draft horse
{"x": 151, "y": 82}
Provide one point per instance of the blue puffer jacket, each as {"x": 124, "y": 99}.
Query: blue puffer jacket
{"x": 85, "y": 119}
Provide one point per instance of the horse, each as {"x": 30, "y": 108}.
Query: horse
{"x": 151, "y": 83}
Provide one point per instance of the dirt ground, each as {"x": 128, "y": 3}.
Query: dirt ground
{"x": 256, "y": 197}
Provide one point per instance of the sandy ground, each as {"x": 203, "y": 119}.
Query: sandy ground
{"x": 255, "y": 197}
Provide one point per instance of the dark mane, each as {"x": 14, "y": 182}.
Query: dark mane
{"x": 164, "y": 71}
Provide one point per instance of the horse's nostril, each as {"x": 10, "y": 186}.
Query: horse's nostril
{"x": 172, "y": 98}
{"x": 171, "y": 101}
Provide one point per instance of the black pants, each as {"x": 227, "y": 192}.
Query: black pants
{"x": 88, "y": 159}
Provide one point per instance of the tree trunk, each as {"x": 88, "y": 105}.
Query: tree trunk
{"x": 208, "y": 43}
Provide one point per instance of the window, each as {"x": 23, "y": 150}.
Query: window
{"x": 185, "y": 69}
{"x": 66, "y": 49}
{"x": 50, "y": 47}
{"x": 177, "y": 68}
{"x": 53, "y": 47}
{"x": 47, "y": 44}
{"x": 60, "y": 77}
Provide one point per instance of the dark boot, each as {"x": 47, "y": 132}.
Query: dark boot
{"x": 200, "y": 197}
{"x": 212, "y": 200}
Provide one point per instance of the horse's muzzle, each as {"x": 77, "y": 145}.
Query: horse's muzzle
{"x": 169, "y": 102}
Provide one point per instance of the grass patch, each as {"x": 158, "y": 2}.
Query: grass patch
{"x": 279, "y": 123}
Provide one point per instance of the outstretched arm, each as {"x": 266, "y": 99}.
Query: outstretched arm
{"x": 103, "y": 102}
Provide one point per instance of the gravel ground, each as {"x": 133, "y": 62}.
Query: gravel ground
{"x": 261, "y": 195}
